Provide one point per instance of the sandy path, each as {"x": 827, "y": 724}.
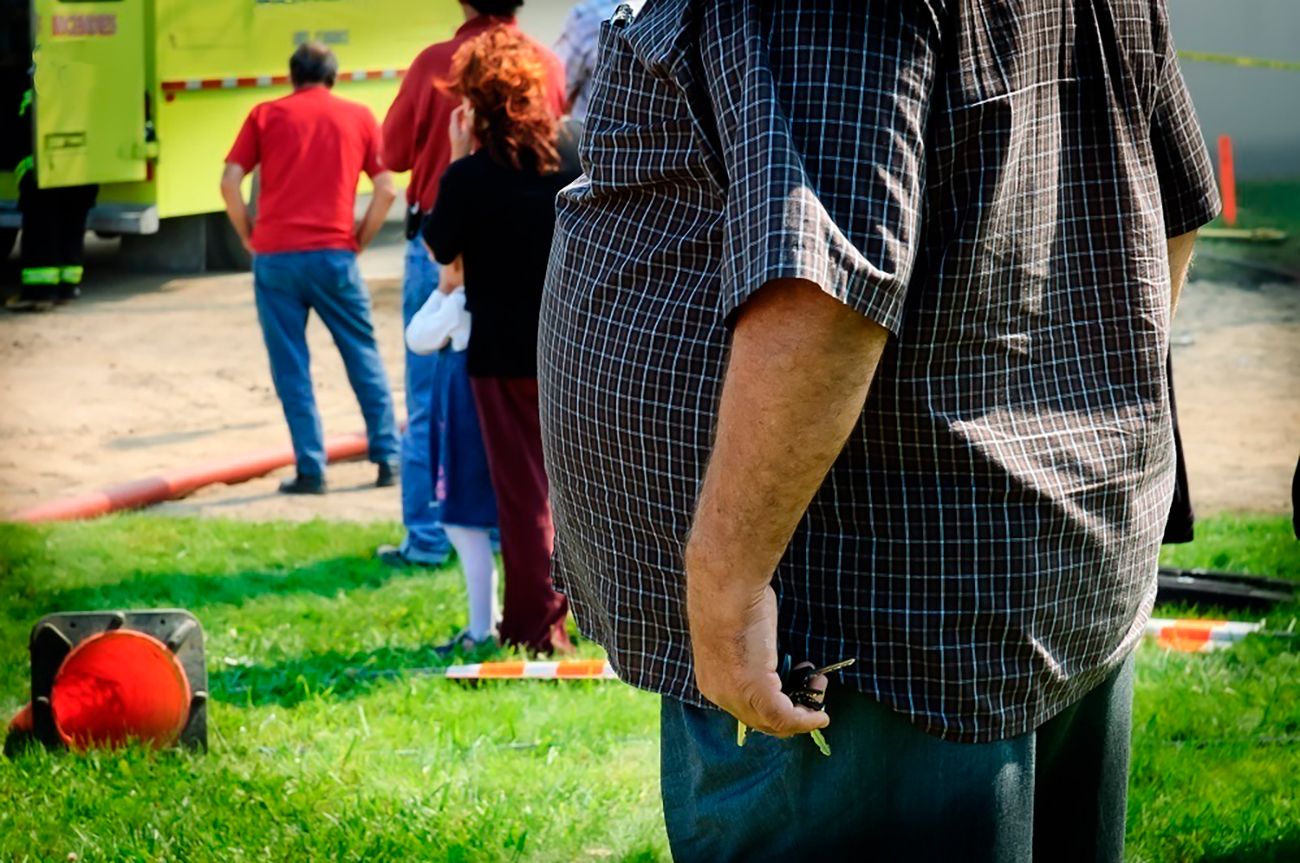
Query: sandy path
{"x": 1237, "y": 381}
{"x": 147, "y": 373}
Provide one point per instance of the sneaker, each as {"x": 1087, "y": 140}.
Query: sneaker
{"x": 463, "y": 644}
{"x": 387, "y": 476}
{"x": 394, "y": 556}
{"x": 33, "y": 298}
{"x": 303, "y": 484}
{"x": 66, "y": 294}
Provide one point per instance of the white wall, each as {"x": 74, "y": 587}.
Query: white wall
{"x": 1259, "y": 108}
{"x": 542, "y": 19}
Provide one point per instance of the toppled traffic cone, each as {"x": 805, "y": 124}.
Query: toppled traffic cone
{"x": 107, "y": 678}
{"x": 21, "y": 732}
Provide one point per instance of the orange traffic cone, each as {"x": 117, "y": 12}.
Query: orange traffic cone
{"x": 108, "y": 678}
{"x": 118, "y": 686}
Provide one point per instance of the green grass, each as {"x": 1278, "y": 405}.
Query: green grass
{"x": 311, "y": 763}
{"x": 308, "y": 763}
{"x": 1264, "y": 204}
{"x": 1216, "y": 737}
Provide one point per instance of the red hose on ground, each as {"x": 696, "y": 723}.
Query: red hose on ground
{"x": 178, "y": 483}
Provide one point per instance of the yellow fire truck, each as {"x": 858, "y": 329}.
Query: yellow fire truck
{"x": 144, "y": 98}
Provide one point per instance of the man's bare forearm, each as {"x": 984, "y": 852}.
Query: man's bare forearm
{"x": 1180, "y": 258}
{"x": 800, "y": 366}
{"x": 380, "y": 203}
{"x": 233, "y": 195}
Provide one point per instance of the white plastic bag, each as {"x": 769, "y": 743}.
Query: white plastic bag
{"x": 440, "y": 320}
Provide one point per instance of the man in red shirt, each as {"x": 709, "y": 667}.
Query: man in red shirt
{"x": 415, "y": 140}
{"x": 312, "y": 148}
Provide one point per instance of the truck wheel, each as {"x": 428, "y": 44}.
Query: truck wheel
{"x": 7, "y": 238}
{"x": 224, "y": 251}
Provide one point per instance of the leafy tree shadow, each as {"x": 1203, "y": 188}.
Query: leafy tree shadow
{"x": 331, "y": 674}
{"x": 194, "y": 591}
{"x": 1283, "y": 850}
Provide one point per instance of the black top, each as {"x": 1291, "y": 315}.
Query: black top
{"x": 501, "y": 220}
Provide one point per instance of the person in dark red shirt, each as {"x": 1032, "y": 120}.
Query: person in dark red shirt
{"x": 415, "y": 140}
{"x": 312, "y": 148}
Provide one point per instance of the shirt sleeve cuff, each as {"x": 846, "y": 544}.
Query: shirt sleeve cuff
{"x": 800, "y": 240}
{"x": 1192, "y": 212}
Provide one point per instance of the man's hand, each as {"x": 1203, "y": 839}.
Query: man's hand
{"x": 800, "y": 366}
{"x": 733, "y": 634}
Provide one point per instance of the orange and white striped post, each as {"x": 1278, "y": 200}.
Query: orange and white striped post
{"x": 1198, "y": 636}
{"x": 568, "y": 669}
{"x": 1227, "y": 181}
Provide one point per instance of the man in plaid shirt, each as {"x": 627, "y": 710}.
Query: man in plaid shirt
{"x": 853, "y": 348}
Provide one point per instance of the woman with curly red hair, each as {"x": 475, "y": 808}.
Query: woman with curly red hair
{"x": 495, "y": 212}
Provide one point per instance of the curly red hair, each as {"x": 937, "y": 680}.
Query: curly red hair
{"x": 504, "y": 78}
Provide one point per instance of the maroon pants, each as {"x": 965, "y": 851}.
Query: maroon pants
{"x": 534, "y": 613}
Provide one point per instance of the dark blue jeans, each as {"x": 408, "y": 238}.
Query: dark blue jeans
{"x": 891, "y": 792}
{"x": 287, "y": 286}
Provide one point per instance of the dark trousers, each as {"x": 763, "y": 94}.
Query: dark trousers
{"x": 1178, "y": 527}
{"x": 891, "y": 792}
{"x": 54, "y": 232}
{"x": 533, "y": 613}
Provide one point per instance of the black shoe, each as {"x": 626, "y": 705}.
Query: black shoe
{"x": 32, "y": 298}
{"x": 463, "y": 644}
{"x": 387, "y": 476}
{"x": 66, "y": 294}
{"x": 394, "y": 556}
{"x": 303, "y": 484}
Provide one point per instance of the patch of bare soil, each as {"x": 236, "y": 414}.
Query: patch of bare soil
{"x": 148, "y": 374}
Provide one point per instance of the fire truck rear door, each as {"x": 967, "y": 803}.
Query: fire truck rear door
{"x": 90, "y": 91}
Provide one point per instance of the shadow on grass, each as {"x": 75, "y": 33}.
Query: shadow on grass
{"x": 332, "y": 674}
{"x": 1284, "y": 850}
{"x": 197, "y": 591}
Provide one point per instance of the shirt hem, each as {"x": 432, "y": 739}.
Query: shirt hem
{"x": 997, "y": 730}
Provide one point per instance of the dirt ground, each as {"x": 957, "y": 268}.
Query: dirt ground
{"x": 145, "y": 374}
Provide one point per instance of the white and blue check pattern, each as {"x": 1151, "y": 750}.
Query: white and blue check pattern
{"x": 993, "y": 182}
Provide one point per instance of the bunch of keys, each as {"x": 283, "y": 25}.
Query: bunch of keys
{"x": 796, "y": 682}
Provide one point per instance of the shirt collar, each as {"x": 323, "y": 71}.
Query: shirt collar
{"x": 482, "y": 22}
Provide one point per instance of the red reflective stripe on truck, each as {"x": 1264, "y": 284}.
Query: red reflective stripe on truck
{"x": 240, "y": 83}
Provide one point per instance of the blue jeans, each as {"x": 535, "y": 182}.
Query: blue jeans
{"x": 889, "y": 791}
{"x": 425, "y": 541}
{"x": 287, "y": 286}
{"x": 464, "y": 487}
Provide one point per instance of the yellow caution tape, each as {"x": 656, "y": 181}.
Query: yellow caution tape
{"x": 1248, "y": 62}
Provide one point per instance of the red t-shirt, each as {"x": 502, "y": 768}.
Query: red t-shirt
{"x": 415, "y": 130}
{"x": 312, "y": 147}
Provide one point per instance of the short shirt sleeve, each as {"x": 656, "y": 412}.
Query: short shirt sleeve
{"x": 373, "y": 161}
{"x": 1188, "y": 193}
{"x": 821, "y": 126}
{"x": 247, "y": 150}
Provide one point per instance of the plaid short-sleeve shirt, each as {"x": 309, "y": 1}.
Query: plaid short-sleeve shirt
{"x": 993, "y": 182}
